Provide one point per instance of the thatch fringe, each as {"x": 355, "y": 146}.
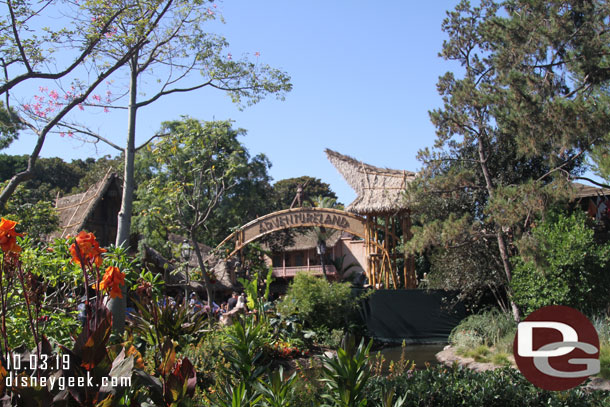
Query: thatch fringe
{"x": 379, "y": 189}
{"x": 75, "y": 210}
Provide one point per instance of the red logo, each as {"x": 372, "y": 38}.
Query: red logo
{"x": 556, "y": 348}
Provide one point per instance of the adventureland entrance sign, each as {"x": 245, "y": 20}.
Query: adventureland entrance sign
{"x": 294, "y": 218}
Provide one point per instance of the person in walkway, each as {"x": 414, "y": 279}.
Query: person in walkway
{"x": 232, "y": 302}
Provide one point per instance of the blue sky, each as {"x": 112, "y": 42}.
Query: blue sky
{"x": 364, "y": 78}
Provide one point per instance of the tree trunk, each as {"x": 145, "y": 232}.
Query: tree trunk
{"x": 117, "y": 305}
{"x": 206, "y": 279}
{"x": 500, "y": 237}
{"x": 323, "y": 267}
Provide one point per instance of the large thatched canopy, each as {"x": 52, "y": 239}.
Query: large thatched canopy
{"x": 94, "y": 210}
{"x": 379, "y": 189}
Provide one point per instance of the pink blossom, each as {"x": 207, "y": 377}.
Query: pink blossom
{"x": 27, "y": 107}
{"x": 106, "y": 110}
{"x": 210, "y": 12}
{"x": 80, "y": 106}
{"x": 257, "y": 54}
{"x": 43, "y": 89}
{"x": 53, "y": 94}
{"x": 229, "y": 56}
{"x": 70, "y": 134}
{"x": 62, "y": 134}
{"x": 96, "y": 98}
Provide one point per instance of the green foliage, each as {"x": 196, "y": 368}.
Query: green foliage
{"x": 9, "y": 126}
{"x": 285, "y": 190}
{"x": 485, "y": 328}
{"x": 565, "y": 266}
{"x": 154, "y": 323}
{"x": 276, "y": 391}
{"x": 526, "y": 70}
{"x": 256, "y": 299}
{"x": 52, "y": 176}
{"x": 36, "y": 219}
{"x": 319, "y": 303}
{"x": 346, "y": 374}
{"x": 245, "y": 341}
{"x": 208, "y": 358}
{"x": 452, "y": 386}
{"x": 59, "y": 279}
{"x": 195, "y": 162}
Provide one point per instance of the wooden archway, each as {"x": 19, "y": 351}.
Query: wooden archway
{"x": 328, "y": 218}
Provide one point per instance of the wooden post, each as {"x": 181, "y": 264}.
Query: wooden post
{"x": 284, "y": 263}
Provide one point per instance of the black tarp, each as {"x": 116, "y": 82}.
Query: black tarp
{"x": 421, "y": 316}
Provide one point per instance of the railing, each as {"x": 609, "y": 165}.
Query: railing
{"x": 283, "y": 272}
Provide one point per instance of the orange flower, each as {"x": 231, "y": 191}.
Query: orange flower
{"x": 8, "y": 236}
{"x": 112, "y": 281}
{"x": 89, "y": 249}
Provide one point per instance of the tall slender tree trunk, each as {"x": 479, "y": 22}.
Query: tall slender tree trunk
{"x": 117, "y": 305}
{"x": 206, "y": 279}
{"x": 499, "y": 235}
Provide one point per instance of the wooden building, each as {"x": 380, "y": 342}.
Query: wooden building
{"x": 302, "y": 255}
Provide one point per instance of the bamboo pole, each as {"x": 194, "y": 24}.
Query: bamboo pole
{"x": 386, "y": 280}
{"x": 405, "y": 237}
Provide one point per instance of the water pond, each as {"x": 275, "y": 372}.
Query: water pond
{"x": 418, "y": 353}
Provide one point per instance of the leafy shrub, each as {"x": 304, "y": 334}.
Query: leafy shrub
{"x": 485, "y": 328}
{"x": 208, "y": 357}
{"x": 329, "y": 338}
{"x": 443, "y": 386}
{"x": 565, "y": 267}
{"x": 319, "y": 303}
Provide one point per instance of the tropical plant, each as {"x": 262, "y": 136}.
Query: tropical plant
{"x": 346, "y": 374}
{"x": 245, "y": 340}
{"x": 154, "y": 323}
{"x": 277, "y": 391}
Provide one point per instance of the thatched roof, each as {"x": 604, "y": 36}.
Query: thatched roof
{"x": 75, "y": 210}
{"x": 587, "y": 191}
{"x": 379, "y": 189}
{"x": 218, "y": 265}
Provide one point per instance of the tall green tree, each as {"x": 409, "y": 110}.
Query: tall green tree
{"x": 285, "y": 191}
{"x": 515, "y": 126}
{"x": 245, "y": 201}
{"x": 202, "y": 162}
